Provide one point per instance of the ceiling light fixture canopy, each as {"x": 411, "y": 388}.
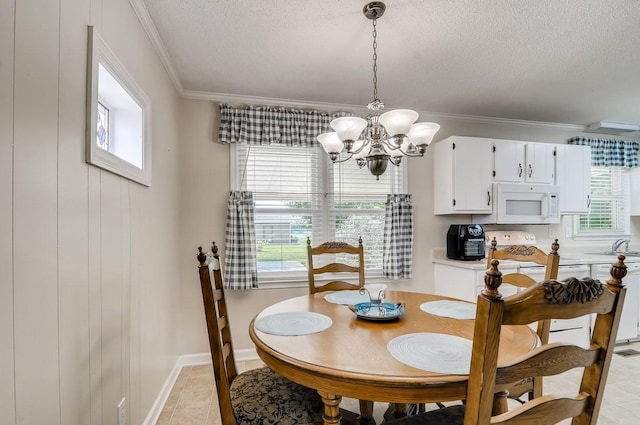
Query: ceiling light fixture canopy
{"x": 388, "y": 136}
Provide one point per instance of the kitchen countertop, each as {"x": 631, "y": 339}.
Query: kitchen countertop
{"x": 570, "y": 258}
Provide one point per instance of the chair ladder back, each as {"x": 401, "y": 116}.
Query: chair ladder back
{"x": 571, "y": 298}
{"x": 555, "y": 358}
{"x": 335, "y": 267}
{"x": 525, "y": 253}
{"x": 535, "y": 255}
{"x": 215, "y": 309}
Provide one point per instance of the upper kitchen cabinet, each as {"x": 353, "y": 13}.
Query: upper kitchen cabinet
{"x": 463, "y": 168}
{"x": 634, "y": 187}
{"x": 523, "y": 162}
{"x": 573, "y": 176}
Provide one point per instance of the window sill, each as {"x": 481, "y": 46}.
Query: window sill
{"x": 286, "y": 283}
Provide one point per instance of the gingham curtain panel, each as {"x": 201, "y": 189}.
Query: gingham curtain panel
{"x": 397, "y": 252}
{"x": 240, "y": 258}
{"x": 264, "y": 125}
{"x": 610, "y": 153}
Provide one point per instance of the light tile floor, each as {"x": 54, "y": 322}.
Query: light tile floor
{"x": 193, "y": 399}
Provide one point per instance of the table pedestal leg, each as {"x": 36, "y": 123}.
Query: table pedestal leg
{"x": 331, "y": 402}
{"x": 400, "y": 409}
{"x": 500, "y": 403}
{"x": 366, "y": 413}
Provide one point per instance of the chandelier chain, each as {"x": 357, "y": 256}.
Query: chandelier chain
{"x": 375, "y": 63}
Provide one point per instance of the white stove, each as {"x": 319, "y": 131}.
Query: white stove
{"x": 576, "y": 330}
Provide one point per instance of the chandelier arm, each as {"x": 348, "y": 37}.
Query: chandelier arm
{"x": 364, "y": 145}
{"x": 345, "y": 159}
{"x": 410, "y": 155}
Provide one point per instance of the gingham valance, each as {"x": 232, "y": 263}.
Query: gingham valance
{"x": 610, "y": 153}
{"x": 265, "y": 125}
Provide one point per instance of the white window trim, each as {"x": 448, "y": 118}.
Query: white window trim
{"x": 300, "y": 279}
{"x": 608, "y": 235}
{"x": 100, "y": 54}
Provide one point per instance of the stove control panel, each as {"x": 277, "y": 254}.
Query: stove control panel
{"x": 510, "y": 237}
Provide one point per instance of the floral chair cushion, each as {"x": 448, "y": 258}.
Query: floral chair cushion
{"x": 261, "y": 396}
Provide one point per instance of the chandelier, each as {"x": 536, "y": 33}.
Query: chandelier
{"x": 388, "y": 136}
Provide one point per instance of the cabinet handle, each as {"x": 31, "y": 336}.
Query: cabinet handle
{"x": 530, "y": 171}
{"x": 588, "y": 201}
{"x": 488, "y": 198}
{"x": 520, "y": 170}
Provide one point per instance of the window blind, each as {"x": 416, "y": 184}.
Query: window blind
{"x": 299, "y": 193}
{"x": 608, "y": 211}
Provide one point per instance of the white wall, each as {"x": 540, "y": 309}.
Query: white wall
{"x": 206, "y": 185}
{"x": 88, "y": 268}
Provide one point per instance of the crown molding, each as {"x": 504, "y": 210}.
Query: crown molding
{"x": 332, "y": 107}
{"x": 147, "y": 23}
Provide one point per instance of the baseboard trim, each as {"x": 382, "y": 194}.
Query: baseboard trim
{"x": 244, "y": 355}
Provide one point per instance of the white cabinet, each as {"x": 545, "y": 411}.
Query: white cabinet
{"x": 634, "y": 185}
{"x": 467, "y": 283}
{"x": 630, "y": 318}
{"x": 573, "y": 176}
{"x": 523, "y": 162}
{"x": 463, "y": 176}
{"x": 508, "y": 160}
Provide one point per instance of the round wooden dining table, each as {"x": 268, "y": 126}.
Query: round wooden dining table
{"x": 350, "y": 358}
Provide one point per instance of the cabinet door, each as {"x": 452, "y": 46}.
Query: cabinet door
{"x": 463, "y": 175}
{"x": 472, "y": 178}
{"x": 509, "y": 161}
{"x": 539, "y": 163}
{"x": 455, "y": 282}
{"x": 573, "y": 176}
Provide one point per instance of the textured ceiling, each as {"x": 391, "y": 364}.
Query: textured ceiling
{"x": 558, "y": 61}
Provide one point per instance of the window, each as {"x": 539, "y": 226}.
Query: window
{"x": 118, "y": 116}
{"x": 102, "y": 124}
{"x": 299, "y": 193}
{"x": 609, "y": 210}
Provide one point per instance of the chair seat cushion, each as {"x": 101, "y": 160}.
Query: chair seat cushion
{"x": 261, "y": 396}
{"x": 452, "y": 415}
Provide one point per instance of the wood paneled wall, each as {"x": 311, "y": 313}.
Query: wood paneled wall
{"x": 85, "y": 314}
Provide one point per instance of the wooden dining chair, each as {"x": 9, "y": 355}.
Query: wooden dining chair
{"x": 531, "y": 385}
{"x": 258, "y": 396}
{"x": 549, "y": 299}
{"x": 357, "y": 253}
{"x": 335, "y": 248}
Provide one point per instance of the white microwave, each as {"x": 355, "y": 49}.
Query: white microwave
{"x": 522, "y": 203}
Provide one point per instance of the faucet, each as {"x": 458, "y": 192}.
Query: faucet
{"x": 616, "y": 245}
